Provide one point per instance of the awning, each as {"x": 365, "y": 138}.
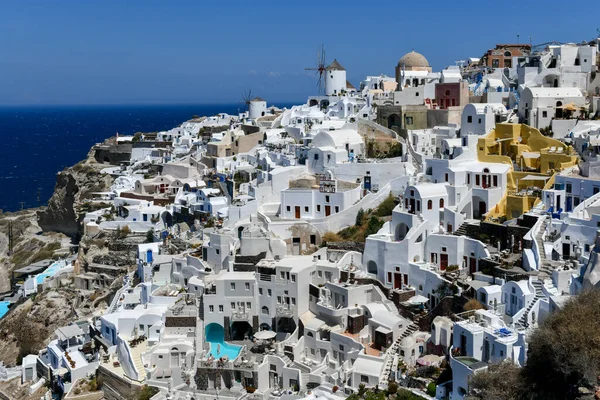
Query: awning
{"x": 534, "y": 178}
{"x": 477, "y": 284}
{"x": 530, "y": 154}
{"x": 383, "y": 330}
{"x": 265, "y": 335}
{"x": 418, "y": 299}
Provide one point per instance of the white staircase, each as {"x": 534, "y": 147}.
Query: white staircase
{"x": 539, "y": 294}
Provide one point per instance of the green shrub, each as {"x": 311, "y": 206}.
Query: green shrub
{"x": 386, "y": 207}
{"x": 431, "y": 389}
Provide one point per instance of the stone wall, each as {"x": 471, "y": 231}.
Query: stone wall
{"x": 178, "y": 322}
{"x": 115, "y": 387}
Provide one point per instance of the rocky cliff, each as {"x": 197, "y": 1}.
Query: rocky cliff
{"x": 74, "y": 185}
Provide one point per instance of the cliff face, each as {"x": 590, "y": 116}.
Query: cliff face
{"x": 73, "y": 186}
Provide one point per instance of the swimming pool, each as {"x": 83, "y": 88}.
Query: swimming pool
{"x": 4, "y": 308}
{"x": 50, "y": 271}
{"x": 215, "y": 335}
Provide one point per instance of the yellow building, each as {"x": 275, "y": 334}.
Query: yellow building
{"x": 534, "y": 159}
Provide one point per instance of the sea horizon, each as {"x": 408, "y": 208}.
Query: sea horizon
{"x": 40, "y": 141}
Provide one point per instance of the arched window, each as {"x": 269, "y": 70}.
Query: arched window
{"x": 447, "y": 92}
{"x": 420, "y": 287}
{"x": 507, "y": 54}
{"x": 441, "y": 203}
{"x": 429, "y": 204}
{"x": 265, "y": 310}
{"x": 310, "y": 334}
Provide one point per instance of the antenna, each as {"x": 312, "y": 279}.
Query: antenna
{"x": 320, "y": 69}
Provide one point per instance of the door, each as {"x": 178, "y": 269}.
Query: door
{"x": 482, "y": 208}
{"x": 397, "y": 281}
{"x": 450, "y": 228}
{"x": 566, "y": 250}
{"x": 412, "y": 206}
{"x": 443, "y": 261}
{"x": 472, "y": 265}
{"x": 327, "y": 211}
{"x": 297, "y": 212}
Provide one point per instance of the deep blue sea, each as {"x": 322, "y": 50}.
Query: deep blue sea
{"x": 38, "y": 142}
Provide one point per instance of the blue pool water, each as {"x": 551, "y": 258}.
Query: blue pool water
{"x": 218, "y": 347}
{"x": 4, "y": 308}
{"x": 49, "y": 272}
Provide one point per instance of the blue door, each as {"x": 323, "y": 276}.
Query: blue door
{"x": 569, "y": 203}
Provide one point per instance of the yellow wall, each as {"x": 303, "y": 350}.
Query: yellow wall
{"x": 505, "y": 151}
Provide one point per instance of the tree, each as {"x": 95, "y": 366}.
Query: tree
{"x": 150, "y": 236}
{"x": 373, "y": 226}
{"x": 360, "y": 216}
{"x": 564, "y": 352}
{"x": 499, "y": 382}
{"x": 472, "y": 304}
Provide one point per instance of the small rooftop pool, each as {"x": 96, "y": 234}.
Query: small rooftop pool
{"x": 4, "y": 308}
{"x": 50, "y": 271}
{"x": 215, "y": 335}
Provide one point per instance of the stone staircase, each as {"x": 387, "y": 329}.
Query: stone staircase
{"x": 395, "y": 349}
{"x": 539, "y": 294}
{"x": 545, "y": 266}
{"x": 461, "y": 231}
{"x": 285, "y": 359}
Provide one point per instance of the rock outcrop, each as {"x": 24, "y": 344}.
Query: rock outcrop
{"x": 73, "y": 186}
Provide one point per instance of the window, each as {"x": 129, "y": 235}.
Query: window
{"x": 232, "y": 305}
{"x": 441, "y": 203}
{"x": 265, "y": 310}
{"x": 278, "y": 299}
{"x": 217, "y": 251}
{"x": 364, "y": 379}
{"x": 443, "y": 249}
{"x": 269, "y": 292}
{"x": 596, "y": 189}
{"x": 337, "y": 209}
{"x": 495, "y": 63}
{"x": 568, "y": 237}
{"x": 248, "y": 305}
{"x": 341, "y": 347}
{"x": 312, "y": 351}
{"x": 326, "y": 199}
{"x": 470, "y": 119}
{"x": 247, "y": 285}
{"x": 569, "y": 188}
{"x": 220, "y": 307}
{"x": 318, "y": 208}
{"x": 409, "y": 120}
{"x": 313, "y": 240}
{"x": 545, "y": 114}
{"x": 495, "y": 179}
{"x": 282, "y": 274}
{"x": 476, "y": 180}
{"x": 306, "y": 209}
{"x": 418, "y": 205}
{"x": 260, "y": 291}
{"x": 417, "y": 94}
{"x": 446, "y": 176}
{"x": 288, "y": 209}
{"x": 211, "y": 309}
{"x": 293, "y": 301}
{"x": 316, "y": 156}
{"x": 293, "y": 278}
{"x": 468, "y": 179}
{"x": 429, "y": 204}
{"x": 232, "y": 285}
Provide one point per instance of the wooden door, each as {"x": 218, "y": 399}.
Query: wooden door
{"x": 450, "y": 228}
{"x": 327, "y": 211}
{"x": 397, "y": 281}
{"x": 472, "y": 265}
{"x": 297, "y": 212}
{"x": 443, "y": 261}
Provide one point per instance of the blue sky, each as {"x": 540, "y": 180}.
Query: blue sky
{"x": 156, "y": 51}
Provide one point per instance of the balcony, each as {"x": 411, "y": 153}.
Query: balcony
{"x": 286, "y": 311}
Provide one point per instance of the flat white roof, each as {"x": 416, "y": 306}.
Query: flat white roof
{"x": 367, "y": 366}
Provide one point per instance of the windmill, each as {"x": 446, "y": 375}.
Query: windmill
{"x": 320, "y": 69}
{"x": 247, "y": 98}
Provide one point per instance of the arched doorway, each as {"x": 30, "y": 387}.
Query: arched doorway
{"x": 372, "y": 267}
{"x": 285, "y": 325}
{"x": 394, "y": 120}
{"x": 559, "y": 111}
{"x": 175, "y": 357}
{"x": 401, "y": 231}
{"x": 313, "y": 103}
{"x": 240, "y": 330}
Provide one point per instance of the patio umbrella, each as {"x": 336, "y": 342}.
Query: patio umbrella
{"x": 418, "y": 299}
{"x": 429, "y": 359}
{"x": 265, "y": 335}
